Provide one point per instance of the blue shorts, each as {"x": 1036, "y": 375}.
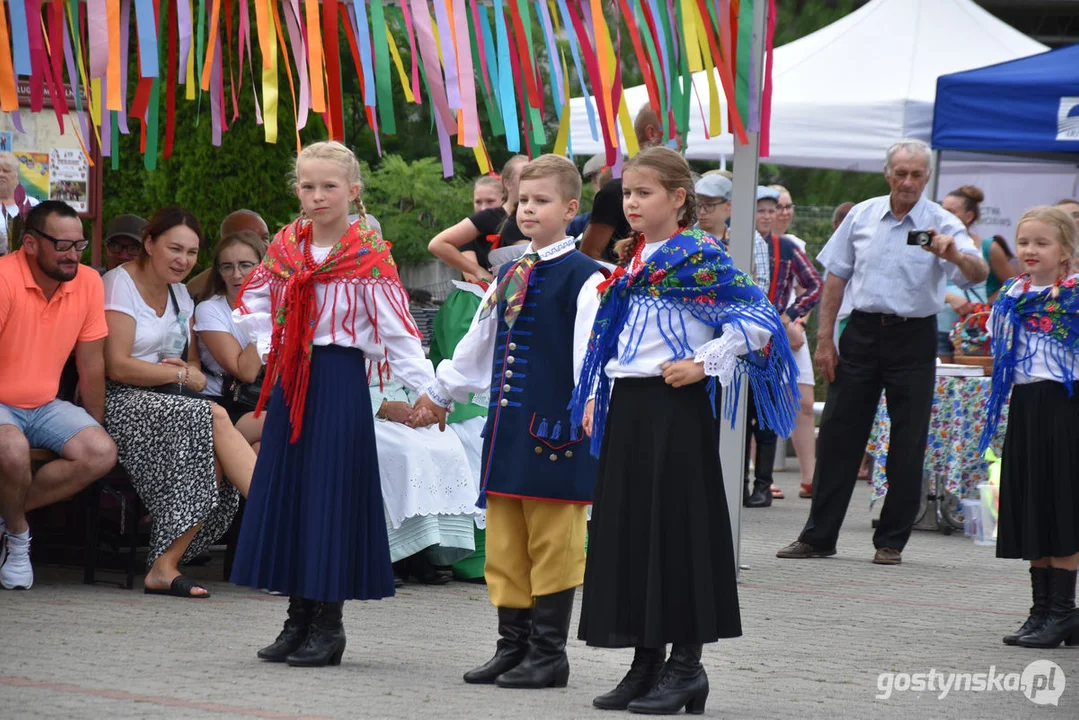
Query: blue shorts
{"x": 49, "y": 426}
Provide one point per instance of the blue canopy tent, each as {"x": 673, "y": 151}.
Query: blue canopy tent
{"x": 1027, "y": 107}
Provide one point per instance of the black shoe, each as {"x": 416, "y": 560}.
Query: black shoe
{"x": 763, "y": 466}
{"x": 292, "y": 635}
{"x": 682, "y": 684}
{"x": 545, "y": 665}
{"x": 514, "y": 627}
{"x": 643, "y": 674}
{"x": 1062, "y": 622}
{"x": 1039, "y": 587}
{"x": 325, "y": 643}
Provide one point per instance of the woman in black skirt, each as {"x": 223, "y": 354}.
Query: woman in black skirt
{"x": 326, "y": 296}
{"x": 1035, "y": 326}
{"x": 660, "y": 565}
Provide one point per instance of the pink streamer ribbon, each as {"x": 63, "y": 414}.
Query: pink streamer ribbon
{"x": 449, "y": 56}
{"x": 245, "y": 43}
{"x": 426, "y": 40}
{"x": 125, "y": 23}
{"x": 299, "y": 54}
{"x": 469, "y": 111}
{"x": 97, "y": 20}
{"x": 416, "y": 89}
{"x": 217, "y": 112}
{"x": 183, "y": 27}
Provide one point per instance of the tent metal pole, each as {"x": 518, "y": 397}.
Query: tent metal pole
{"x": 732, "y": 446}
{"x": 934, "y": 177}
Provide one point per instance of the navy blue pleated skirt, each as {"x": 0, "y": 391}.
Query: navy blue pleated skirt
{"x": 314, "y": 524}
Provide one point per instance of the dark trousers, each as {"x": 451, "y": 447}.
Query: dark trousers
{"x": 875, "y": 354}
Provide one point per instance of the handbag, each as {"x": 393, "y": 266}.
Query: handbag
{"x": 178, "y": 388}
{"x": 243, "y": 397}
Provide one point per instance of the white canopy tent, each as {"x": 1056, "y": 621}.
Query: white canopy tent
{"x": 845, "y": 93}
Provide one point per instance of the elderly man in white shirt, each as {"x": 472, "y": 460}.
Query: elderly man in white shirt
{"x": 895, "y": 288}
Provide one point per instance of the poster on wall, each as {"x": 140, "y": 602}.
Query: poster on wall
{"x": 69, "y": 178}
{"x": 6, "y": 141}
{"x": 34, "y": 173}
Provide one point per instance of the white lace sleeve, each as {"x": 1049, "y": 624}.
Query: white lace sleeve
{"x": 720, "y": 355}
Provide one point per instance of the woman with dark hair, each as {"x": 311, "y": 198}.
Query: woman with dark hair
{"x": 965, "y": 204}
{"x": 175, "y": 446}
{"x": 225, "y": 351}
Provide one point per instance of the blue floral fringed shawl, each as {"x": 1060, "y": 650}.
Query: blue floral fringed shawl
{"x": 691, "y": 274}
{"x": 1050, "y": 319}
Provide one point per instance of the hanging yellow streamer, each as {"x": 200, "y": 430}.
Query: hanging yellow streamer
{"x": 561, "y": 141}
{"x": 264, "y": 10}
{"x": 189, "y": 72}
{"x": 630, "y": 137}
{"x": 82, "y": 74}
{"x": 715, "y": 114}
{"x": 605, "y": 53}
{"x": 690, "y": 21}
{"x": 406, "y": 84}
{"x": 480, "y": 151}
{"x": 95, "y": 106}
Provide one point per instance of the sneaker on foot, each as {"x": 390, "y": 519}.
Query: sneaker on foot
{"x": 16, "y": 573}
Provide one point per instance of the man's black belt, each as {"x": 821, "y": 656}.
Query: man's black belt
{"x": 882, "y": 318}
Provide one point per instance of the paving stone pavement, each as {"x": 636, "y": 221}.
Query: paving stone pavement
{"x": 818, "y": 633}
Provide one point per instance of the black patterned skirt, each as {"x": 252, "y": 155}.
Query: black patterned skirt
{"x": 1039, "y": 480}
{"x": 660, "y": 563}
{"x": 166, "y": 444}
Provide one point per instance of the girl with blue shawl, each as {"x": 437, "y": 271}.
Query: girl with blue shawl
{"x": 660, "y": 565}
{"x": 1035, "y": 328}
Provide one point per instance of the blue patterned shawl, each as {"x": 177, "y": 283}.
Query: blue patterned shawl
{"x": 1050, "y": 318}
{"x": 691, "y": 274}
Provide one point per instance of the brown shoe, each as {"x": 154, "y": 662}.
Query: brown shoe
{"x": 799, "y": 550}
{"x": 888, "y": 556}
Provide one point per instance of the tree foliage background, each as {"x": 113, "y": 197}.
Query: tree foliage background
{"x": 404, "y": 188}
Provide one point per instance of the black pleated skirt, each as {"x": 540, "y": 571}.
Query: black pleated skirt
{"x": 660, "y": 563}
{"x": 1039, "y": 482}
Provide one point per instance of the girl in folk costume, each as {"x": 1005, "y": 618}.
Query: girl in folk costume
{"x": 660, "y": 563}
{"x": 1035, "y": 328}
{"x": 326, "y": 295}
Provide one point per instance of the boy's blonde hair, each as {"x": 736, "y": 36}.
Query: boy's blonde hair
{"x": 562, "y": 170}
{"x": 1060, "y": 220}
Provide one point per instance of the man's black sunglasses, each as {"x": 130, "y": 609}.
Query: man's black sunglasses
{"x": 62, "y": 245}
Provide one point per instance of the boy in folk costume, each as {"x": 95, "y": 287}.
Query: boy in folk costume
{"x": 526, "y": 345}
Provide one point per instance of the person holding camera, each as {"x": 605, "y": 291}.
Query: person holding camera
{"x": 893, "y": 256}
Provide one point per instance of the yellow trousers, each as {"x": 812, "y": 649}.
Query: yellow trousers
{"x": 534, "y": 547}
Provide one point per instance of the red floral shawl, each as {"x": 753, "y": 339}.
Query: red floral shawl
{"x": 362, "y": 257}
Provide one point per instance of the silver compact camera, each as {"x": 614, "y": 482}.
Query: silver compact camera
{"x": 921, "y": 238}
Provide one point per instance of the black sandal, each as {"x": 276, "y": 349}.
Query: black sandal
{"x": 181, "y": 586}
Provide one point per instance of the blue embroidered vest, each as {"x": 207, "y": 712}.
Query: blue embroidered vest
{"x": 530, "y": 448}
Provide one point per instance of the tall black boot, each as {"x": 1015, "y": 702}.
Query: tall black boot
{"x": 682, "y": 684}
{"x": 292, "y": 635}
{"x": 1039, "y": 587}
{"x": 643, "y": 674}
{"x": 763, "y": 467}
{"x": 514, "y": 627}
{"x": 325, "y": 643}
{"x": 545, "y": 664}
{"x": 1062, "y": 622}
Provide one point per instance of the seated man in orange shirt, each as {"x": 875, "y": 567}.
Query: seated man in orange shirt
{"x": 49, "y": 304}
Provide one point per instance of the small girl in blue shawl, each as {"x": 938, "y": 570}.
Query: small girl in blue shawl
{"x": 660, "y": 565}
{"x": 1035, "y": 328}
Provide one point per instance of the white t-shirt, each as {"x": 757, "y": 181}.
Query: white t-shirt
{"x": 5, "y": 212}
{"x": 215, "y": 315}
{"x": 155, "y": 337}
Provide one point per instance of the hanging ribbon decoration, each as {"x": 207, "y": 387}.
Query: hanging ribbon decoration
{"x": 458, "y": 61}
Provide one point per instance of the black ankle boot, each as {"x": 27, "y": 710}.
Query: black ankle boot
{"x": 292, "y": 635}
{"x": 514, "y": 627}
{"x": 1062, "y": 622}
{"x": 642, "y": 676}
{"x": 325, "y": 643}
{"x": 682, "y": 684}
{"x": 1039, "y": 587}
{"x": 545, "y": 664}
{"x": 762, "y": 469}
